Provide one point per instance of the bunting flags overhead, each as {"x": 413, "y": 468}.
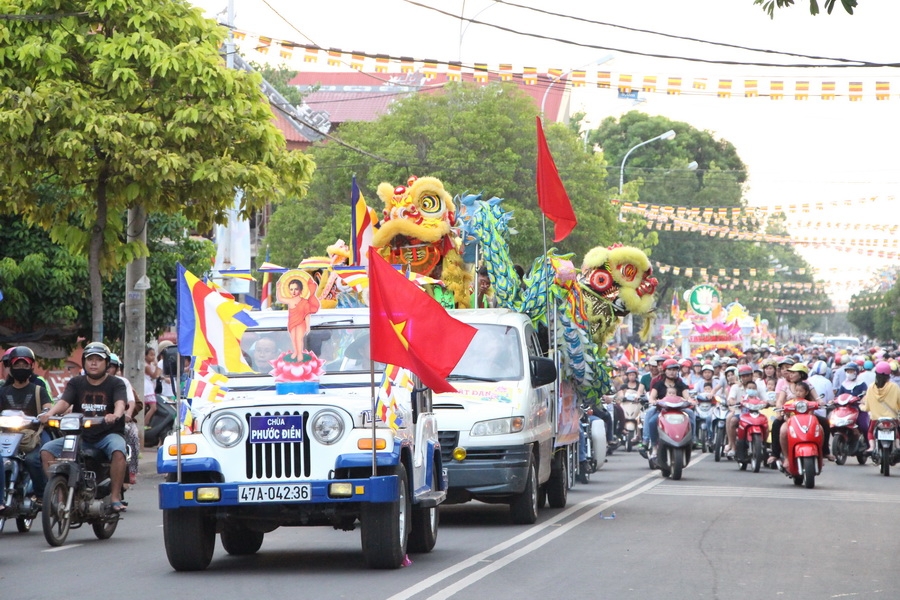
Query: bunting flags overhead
{"x": 827, "y": 87}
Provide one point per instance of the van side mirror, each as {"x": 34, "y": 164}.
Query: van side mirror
{"x": 543, "y": 370}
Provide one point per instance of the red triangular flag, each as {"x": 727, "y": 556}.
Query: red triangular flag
{"x": 410, "y": 329}
{"x": 552, "y": 197}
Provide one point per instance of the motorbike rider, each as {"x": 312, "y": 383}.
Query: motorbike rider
{"x": 735, "y": 396}
{"x": 797, "y": 373}
{"x": 670, "y": 384}
{"x": 881, "y": 400}
{"x": 706, "y": 373}
{"x": 95, "y": 394}
{"x": 25, "y": 395}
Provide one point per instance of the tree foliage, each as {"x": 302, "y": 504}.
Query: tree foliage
{"x": 657, "y": 173}
{"x": 46, "y": 297}
{"x": 118, "y": 103}
{"x": 475, "y": 139}
{"x": 770, "y": 5}
{"x": 877, "y": 313}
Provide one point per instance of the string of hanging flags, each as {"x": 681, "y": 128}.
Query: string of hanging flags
{"x": 261, "y": 48}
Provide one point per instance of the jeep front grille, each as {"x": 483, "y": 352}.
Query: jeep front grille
{"x": 278, "y": 460}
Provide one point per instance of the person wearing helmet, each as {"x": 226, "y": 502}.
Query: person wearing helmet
{"x": 736, "y": 394}
{"x": 131, "y": 432}
{"x": 653, "y": 371}
{"x": 687, "y": 373}
{"x": 670, "y": 384}
{"x": 796, "y": 373}
{"x": 819, "y": 380}
{"x": 707, "y": 373}
{"x": 22, "y": 393}
{"x": 867, "y": 373}
{"x": 839, "y": 371}
{"x": 881, "y": 400}
{"x": 95, "y": 394}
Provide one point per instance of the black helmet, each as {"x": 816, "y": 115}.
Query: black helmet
{"x": 17, "y": 352}
{"x": 96, "y": 349}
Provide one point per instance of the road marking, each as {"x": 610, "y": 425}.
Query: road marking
{"x": 789, "y": 494}
{"x": 61, "y": 548}
{"x": 619, "y": 495}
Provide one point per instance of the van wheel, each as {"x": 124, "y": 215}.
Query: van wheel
{"x": 423, "y": 535}
{"x": 524, "y": 507}
{"x": 558, "y": 485}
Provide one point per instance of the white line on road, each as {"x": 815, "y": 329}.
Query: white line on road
{"x": 495, "y": 565}
{"x": 61, "y": 548}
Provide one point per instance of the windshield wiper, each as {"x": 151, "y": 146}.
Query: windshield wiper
{"x": 458, "y": 377}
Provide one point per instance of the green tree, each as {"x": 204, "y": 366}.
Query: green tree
{"x": 475, "y": 139}
{"x": 770, "y": 5}
{"x": 657, "y": 174}
{"x": 46, "y": 292}
{"x": 120, "y": 103}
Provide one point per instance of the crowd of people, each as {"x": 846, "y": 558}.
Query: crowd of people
{"x": 779, "y": 375}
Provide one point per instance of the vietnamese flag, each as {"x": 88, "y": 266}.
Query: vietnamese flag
{"x": 410, "y": 329}
{"x": 552, "y": 197}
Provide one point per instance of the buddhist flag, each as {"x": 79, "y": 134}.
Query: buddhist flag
{"x": 412, "y": 330}
{"x": 362, "y": 220}
{"x": 552, "y": 197}
{"x": 210, "y": 325}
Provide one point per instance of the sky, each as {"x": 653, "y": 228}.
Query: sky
{"x": 795, "y": 151}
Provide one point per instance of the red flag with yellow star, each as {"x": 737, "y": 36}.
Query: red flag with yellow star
{"x": 412, "y": 330}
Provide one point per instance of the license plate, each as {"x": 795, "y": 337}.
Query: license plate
{"x": 295, "y": 492}
{"x": 885, "y": 434}
{"x": 276, "y": 429}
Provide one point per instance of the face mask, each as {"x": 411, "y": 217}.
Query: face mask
{"x": 21, "y": 374}
{"x": 752, "y": 393}
{"x": 851, "y": 375}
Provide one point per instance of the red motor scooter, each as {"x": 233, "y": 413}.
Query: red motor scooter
{"x": 675, "y": 436}
{"x": 846, "y": 438}
{"x": 803, "y": 451}
{"x": 753, "y": 429}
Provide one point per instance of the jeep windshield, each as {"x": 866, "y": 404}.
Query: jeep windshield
{"x": 343, "y": 346}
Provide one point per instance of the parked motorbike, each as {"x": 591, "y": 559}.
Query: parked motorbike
{"x": 675, "y": 436}
{"x": 803, "y": 451}
{"x": 846, "y": 438}
{"x": 705, "y": 434}
{"x": 719, "y": 433}
{"x": 78, "y": 488}
{"x": 17, "y": 495}
{"x": 753, "y": 429}
{"x": 161, "y": 424}
{"x": 594, "y": 435}
{"x": 885, "y": 455}
{"x": 633, "y": 406}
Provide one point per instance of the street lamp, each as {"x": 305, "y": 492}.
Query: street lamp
{"x": 663, "y": 136}
{"x": 600, "y": 61}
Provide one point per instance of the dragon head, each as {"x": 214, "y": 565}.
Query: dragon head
{"x": 416, "y": 229}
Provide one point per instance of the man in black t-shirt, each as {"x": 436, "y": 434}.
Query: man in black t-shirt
{"x": 96, "y": 394}
{"x": 22, "y": 393}
{"x": 668, "y": 385}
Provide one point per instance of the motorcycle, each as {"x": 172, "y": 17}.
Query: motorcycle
{"x": 162, "y": 423}
{"x": 719, "y": 433}
{"x": 803, "y": 451}
{"x": 885, "y": 454}
{"x": 633, "y": 407}
{"x": 753, "y": 429}
{"x": 78, "y": 485}
{"x": 704, "y": 411}
{"x": 846, "y": 438}
{"x": 675, "y": 436}
{"x": 17, "y": 495}
{"x": 594, "y": 435}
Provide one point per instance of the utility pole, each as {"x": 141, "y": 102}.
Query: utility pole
{"x": 136, "y": 285}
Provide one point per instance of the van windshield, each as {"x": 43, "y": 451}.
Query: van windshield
{"x": 842, "y": 342}
{"x": 493, "y": 354}
{"x": 344, "y": 348}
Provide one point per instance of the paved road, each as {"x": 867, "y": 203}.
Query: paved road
{"x": 718, "y": 533}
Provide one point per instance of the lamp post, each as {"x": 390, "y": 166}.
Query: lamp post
{"x": 553, "y": 81}
{"x": 663, "y": 136}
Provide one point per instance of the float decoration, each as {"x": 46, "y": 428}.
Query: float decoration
{"x": 297, "y": 372}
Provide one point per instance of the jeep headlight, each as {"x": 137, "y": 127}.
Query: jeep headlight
{"x": 227, "y": 430}
{"x": 327, "y": 427}
{"x": 498, "y": 426}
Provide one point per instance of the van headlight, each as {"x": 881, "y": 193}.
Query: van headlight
{"x": 327, "y": 427}
{"x": 498, "y": 426}
{"x": 227, "y": 430}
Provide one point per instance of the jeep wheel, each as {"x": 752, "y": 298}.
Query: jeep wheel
{"x": 423, "y": 534}
{"x": 238, "y": 539}
{"x": 190, "y": 538}
{"x": 385, "y": 527}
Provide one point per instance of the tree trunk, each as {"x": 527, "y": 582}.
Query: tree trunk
{"x": 96, "y": 244}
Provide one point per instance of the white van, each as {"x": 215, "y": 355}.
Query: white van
{"x": 842, "y": 342}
